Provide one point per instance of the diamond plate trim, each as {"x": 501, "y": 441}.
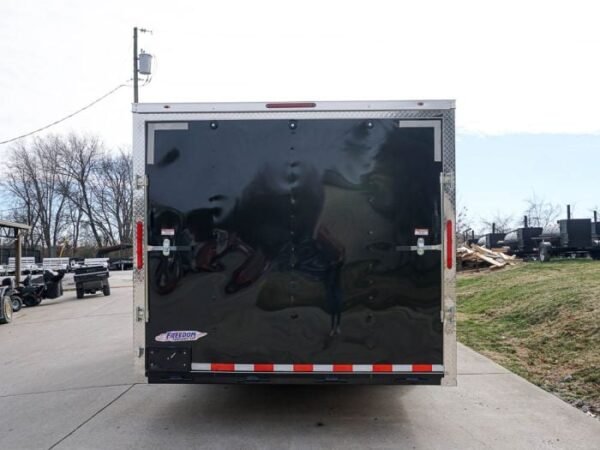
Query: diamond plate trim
{"x": 449, "y": 275}
{"x": 139, "y": 276}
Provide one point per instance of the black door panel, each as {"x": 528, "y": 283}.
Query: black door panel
{"x": 286, "y": 241}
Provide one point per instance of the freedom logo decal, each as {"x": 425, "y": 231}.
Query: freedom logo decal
{"x": 179, "y": 336}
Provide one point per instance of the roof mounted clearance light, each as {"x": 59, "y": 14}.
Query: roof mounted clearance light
{"x": 291, "y": 105}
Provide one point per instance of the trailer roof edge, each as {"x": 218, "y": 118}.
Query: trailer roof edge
{"x": 378, "y": 105}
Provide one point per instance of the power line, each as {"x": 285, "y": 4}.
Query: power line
{"x": 56, "y": 122}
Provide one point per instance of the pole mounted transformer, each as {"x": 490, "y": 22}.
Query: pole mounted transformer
{"x": 145, "y": 63}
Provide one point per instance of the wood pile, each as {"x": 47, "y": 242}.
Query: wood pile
{"x": 475, "y": 257}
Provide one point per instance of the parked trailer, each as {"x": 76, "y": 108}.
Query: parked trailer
{"x": 103, "y": 262}
{"x": 28, "y": 264}
{"x": 56, "y": 264}
{"x": 295, "y": 243}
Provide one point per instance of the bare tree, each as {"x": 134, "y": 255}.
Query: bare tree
{"x": 23, "y": 208}
{"x": 71, "y": 191}
{"x": 74, "y": 217}
{"x": 503, "y": 223}
{"x": 113, "y": 191}
{"x": 463, "y": 224}
{"x": 78, "y": 159}
{"x": 541, "y": 213}
{"x": 31, "y": 177}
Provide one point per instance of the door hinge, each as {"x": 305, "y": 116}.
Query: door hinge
{"x": 449, "y": 315}
{"x": 141, "y": 181}
{"x": 139, "y": 313}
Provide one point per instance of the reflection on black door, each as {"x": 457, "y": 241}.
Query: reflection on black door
{"x": 287, "y": 241}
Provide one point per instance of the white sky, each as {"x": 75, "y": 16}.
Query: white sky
{"x": 517, "y": 66}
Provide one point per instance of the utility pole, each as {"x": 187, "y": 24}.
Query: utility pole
{"x": 142, "y": 63}
{"x": 135, "y": 66}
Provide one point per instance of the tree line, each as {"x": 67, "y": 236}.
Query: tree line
{"x": 71, "y": 189}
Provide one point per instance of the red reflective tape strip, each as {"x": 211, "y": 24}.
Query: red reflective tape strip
{"x": 449, "y": 245}
{"x": 222, "y": 367}
{"x": 263, "y": 367}
{"x": 139, "y": 235}
{"x": 303, "y": 367}
{"x": 291, "y": 105}
{"x": 348, "y": 368}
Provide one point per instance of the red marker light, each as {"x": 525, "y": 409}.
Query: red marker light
{"x": 139, "y": 235}
{"x": 449, "y": 245}
{"x": 290, "y": 105}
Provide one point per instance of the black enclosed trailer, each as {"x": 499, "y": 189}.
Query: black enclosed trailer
{"x": 295, "y": 242}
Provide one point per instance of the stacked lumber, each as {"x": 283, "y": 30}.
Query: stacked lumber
{"x": 476, "y": 257}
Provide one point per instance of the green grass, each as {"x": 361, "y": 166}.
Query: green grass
{"x": 541, "y": 321}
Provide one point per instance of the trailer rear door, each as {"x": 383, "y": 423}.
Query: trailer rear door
{"x": 294, "y": 246}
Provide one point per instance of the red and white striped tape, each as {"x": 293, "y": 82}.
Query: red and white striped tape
{"x": 327, "y": 368}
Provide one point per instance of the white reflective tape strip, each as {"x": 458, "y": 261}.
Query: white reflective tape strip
{"x": 401, "y": 367}
{"x": 362, "y": 368}
{"x": 283, "y": 367}
{"x": 323, "y": 368}
{"x": 437, "y": 133}
{"x": 152, "y": 127}
{"x": 243, "y": 367}
{"x": 437, "y": 368}
{"x": 201, "y": 366}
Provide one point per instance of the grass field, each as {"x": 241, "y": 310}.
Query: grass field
{"x": 542, "y": 321}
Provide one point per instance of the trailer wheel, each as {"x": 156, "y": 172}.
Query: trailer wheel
{"x": 79, "y": 292}
{"x": 544, "y": 252}
{"x": 30, "y": 300}
{"x": 106, "y": 289}
{"x": 16, "y": 302}
{"x": 6, "y": 309}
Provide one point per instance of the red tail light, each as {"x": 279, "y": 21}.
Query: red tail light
{"x": 449, "y": 245}
{"x": 139, "y": 234}
{"x": 291, "y": 105}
